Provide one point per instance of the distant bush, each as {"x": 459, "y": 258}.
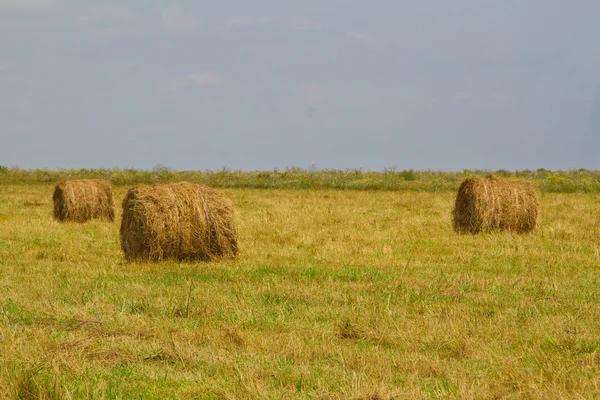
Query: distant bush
{"x": 158, "y": 168}
{"x": 408, "y": 175}
{"x": 503, "y": 173}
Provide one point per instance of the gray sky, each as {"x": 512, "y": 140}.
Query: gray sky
{"x": 264, "y": 84}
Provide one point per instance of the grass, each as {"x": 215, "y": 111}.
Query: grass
{"x": 335, "y": 295}
{"x": 574, "y": 181}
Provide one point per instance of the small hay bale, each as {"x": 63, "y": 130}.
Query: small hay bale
{"x": 492, "y": 203}
{"x": 80, "y": 200}
{"x": 181, "y": 221}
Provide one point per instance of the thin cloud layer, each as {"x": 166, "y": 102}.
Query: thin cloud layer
{"x": 364, "y": 39}
{"x": 305, "y": 24}
{"x": 178, "y": 20}
{"x": 100, "y": 13}
{"x": 314, "y": 95}
{"x": 29, "y": 5}
{"x": 241, "y": 22}
{"x": 195, "y": 79}
{"x": 296, "y": 23}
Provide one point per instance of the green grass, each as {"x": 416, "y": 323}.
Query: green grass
{"x": 335, "y": 294}
{"x": 574, "y": 181}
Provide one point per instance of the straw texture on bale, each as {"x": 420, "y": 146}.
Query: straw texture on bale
{"x": 492, "y": 203}
{"x": 80, "y": 200}
{"x": 181, "y": 221}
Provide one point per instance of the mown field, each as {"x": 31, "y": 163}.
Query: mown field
{"x": 336, "y": 294}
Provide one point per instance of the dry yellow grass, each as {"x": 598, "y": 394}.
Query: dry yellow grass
{"x": 334, "y": 295}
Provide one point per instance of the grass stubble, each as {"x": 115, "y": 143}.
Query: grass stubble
{"x": 334, "y": 295}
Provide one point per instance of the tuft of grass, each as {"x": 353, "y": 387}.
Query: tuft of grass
{"x": 33, "y": 384}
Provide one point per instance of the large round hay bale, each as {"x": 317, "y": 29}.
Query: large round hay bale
{"x": 492, "y": 203}
{"x": 80, "y": 200}
{"x": 181, "y": 221}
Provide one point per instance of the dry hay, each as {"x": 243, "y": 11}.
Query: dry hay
{"x": 80, "y": 200}
{"x": 492, "y": 203}
{"x": 181, "y": 221}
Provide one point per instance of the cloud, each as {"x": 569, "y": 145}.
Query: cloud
{"x": 195, "y": 79}
{"x": 363, "y": 38}
{"x": 106, "y": 34}
{"x": 499, "y": 98}
{"x": 96, "y": 13}
{"x": 178, "y": 20}
{"x": 314, "y": 95}
{"x": 29, "y": 5}
{"x": 304, "y": 24}
{"x": 108, "y": 23}
{"x": 460, "y": 97}
{"x": 294, "y": 23}
{"x": 246, "y": 22}
{"x": 477, "y": 99}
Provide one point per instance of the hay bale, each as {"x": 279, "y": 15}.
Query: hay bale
{"x": 181, "y": 221}
{"x": 80, "y": 200}
{"x": 492, "y": 203}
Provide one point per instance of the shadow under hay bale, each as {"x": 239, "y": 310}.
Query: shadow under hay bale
{"x": 181, "y": 221}
{"x": 80, "y": 200}
{"x": 492, "y": 203}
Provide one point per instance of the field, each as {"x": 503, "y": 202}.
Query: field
{"x": 336, "y": 294}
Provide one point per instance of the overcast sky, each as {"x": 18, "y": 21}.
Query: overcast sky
{"x": 264, "y": 84}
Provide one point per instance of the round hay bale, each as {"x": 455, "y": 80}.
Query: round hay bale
{"x": 492, "y": 203}
{"x": 80, "y": 200}
{"x": 181, "y": 221}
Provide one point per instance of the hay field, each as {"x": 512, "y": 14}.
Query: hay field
{"x": 334, "y": 295}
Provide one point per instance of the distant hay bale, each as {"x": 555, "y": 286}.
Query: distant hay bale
{"x": 80, "y": 200}
{"x": 181, "y": 221}
{"x": 492, "y": 203}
